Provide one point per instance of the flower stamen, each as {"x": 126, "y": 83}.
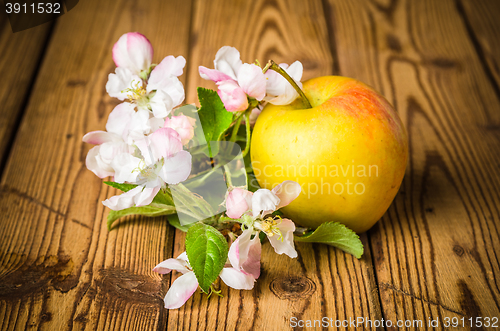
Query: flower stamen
{"x": 135, "y": 92}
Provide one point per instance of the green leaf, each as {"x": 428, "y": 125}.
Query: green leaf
{"x": 175, "y": 222}
{"x": 337, "y": 235}
{"x": 146, "y": 211}
{"x": 207, "y": 250}
{"x": 120, "y": 186}
{"x": 214, "y": 118}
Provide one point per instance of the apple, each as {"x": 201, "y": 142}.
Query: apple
{"x": 348, "y": 152}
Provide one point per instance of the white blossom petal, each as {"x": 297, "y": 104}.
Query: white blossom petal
{"x": 124, "y": 200}
{"x": 171, "y": 264}
{"x": 146, "y": 196}
{"x": 252, "y": 81}
{"x": 162, "y": 143}
{"x": 279, "y": 91}
{"x": 94, "y": 164}
{"x": 181, "y": 290}
{"x": 120, "y": 81}
{"x": 126, "y": 168}
{"x": 119, "y": 118}
{"x": 264, "y": 202}
{"x": 176, "y": 169}
{"x": 287, "y": 192}
{"x": 137, "y": 127}
{"x": 227, "y": 60}
{"x": 237, "y": 279}
{"x": 286, "y": 245}
{"x": 161, "y": 104}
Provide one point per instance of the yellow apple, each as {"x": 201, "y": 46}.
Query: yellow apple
{"x": 348, "y": 152}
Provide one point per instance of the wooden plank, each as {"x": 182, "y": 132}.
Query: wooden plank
{"x": 436, "y": 250}
{"x": 21, "y": 51}
{"x": 59, "y": 267}
{"x": 480, "y": 20}
{"x": 322, "y": 282}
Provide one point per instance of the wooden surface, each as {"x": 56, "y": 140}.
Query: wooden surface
{"x": 434, "y": 254}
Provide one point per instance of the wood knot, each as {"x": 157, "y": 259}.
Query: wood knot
{"x": 458, "y": 250}
{"x": 292, "y": 287}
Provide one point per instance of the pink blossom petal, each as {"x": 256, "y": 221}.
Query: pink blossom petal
{"x": 237, "y": 279}
{"x": 124, "y": 200}
{"x": 100, "y": 137}
{"x": 133, "y": 51}
{"x": 287, "y": 192}
{"x": 286, "y": 245}
{"x": 176, "y": 169}
{"x": 252, "y": 81}
{"x": 171, "y": 264}
{"x": 162, "y": 143}
{"x": 238, "y": 202}
{"x": 181, "y": 290}
{"x": 244, "y": 254}
{"x": 183, "y": 125}
{"x": 212, "y": 74}
{"x": 232, "y": 95}
{"x": 252, "y": 264}
{"x": 239, "y": 244}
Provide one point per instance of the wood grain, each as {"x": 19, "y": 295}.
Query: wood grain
{"x": 436, "y": 249}
{"x": 22, "y": 52}
{"x": 322, "y": 282}
{"x": 481, "y": 23}
{"x": 60, "y": 269}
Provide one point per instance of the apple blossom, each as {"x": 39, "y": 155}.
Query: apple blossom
{"x": 153, "y": 88}
{"x": 278, "y": 90}
{"x": 244, "y": 254}
{"x": 184, "y": 126}
{"x": 161, "y": 161}
{"x": 241, "y": 257}
{"x": 184, "y": 286}
{"x": 110, "y": 143}
{"x": 236, "y": 80}
{"x": 255, "y": 207}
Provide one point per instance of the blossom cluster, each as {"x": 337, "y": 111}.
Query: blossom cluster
{"x": 142, "y": 144}
{"x": 253, "y": 211}
{"x": 238, "y": 82}
{"x": 145, "y": 145}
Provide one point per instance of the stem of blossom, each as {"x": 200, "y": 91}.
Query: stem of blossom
{"x": 227, "y": 173}
{"x": 247, "y": 126}
{"x": 195, "y": 205}
{"x": 236, "y": 127}
{"x": 273, "y": 66}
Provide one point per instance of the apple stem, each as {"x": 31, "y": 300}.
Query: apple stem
{"x": 273, "y": 66}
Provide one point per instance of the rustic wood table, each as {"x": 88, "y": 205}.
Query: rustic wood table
{"x": 433, "y": 257}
